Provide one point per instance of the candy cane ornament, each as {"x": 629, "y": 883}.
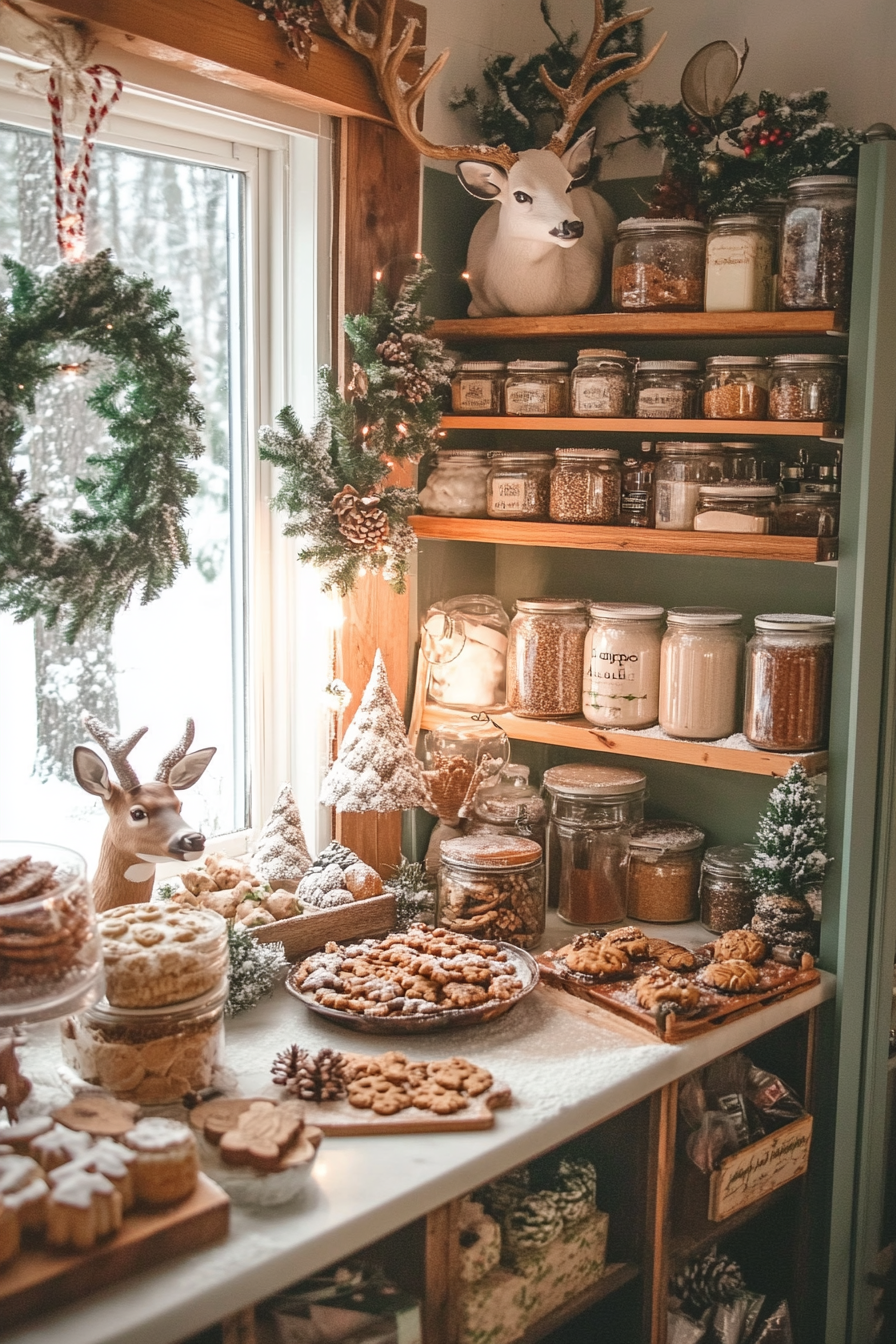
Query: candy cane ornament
{"x": 71, "y": 183}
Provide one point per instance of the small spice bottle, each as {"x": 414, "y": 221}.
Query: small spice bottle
{"x": 805, "y": 387}
{"x": 699, "y": 673}
{"x": 658, "y": 265}
{"x": 493, "y": 887}
{"x": 544, "y": 658}
{"x": 537, "y": 387}
{"x": 457, "y": 485}
{"x": 601, "y": 384}
{"x": 621, "y": 685}
{"x": 737, "y": 506}
{"x": 585, "y": 486}
{"x": 593, "y": 810}
{"x": 740, "y": 254}
{"x": 519, "y": 485}
{"x": 636, "y": 501}
{"x": 726, "y": 891}
{"x": 668, "y": 389}
{"x": 817, "y": 235}
{"x": 788, "y": 682}
{"x": 736, "y": 387}
{"x": 664, "y": 872}
{"x": 680, "y": 472}
{"x": 809, "y": 513}
{"x": 476, "y": 387}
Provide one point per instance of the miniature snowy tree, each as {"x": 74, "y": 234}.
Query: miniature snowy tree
{"x": 281, "y": 852}
{"x": 790, "y": 842}
{"x": 376, "y": 769}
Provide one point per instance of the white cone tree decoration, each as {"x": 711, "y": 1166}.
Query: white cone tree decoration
{"x": 281, "y": 852}
{"x": 376, "y": 770}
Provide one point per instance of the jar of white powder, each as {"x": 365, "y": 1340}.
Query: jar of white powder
{"x": 621, "y": 685}
{"x": 700, "y": 664}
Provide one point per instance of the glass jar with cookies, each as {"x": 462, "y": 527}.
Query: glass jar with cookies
{"x": 492, "y": 886}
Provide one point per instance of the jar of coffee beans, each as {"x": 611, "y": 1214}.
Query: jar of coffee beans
{"x": 726, "y": 889}
{"x": 545, "y": 658}
{"x": 788, "y": 689}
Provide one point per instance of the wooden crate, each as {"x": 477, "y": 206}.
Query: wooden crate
{"x": 306, "y": 933}
{"x": 754, "y": 1172}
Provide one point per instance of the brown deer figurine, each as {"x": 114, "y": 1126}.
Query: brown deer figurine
{"x": 145, "y": 824}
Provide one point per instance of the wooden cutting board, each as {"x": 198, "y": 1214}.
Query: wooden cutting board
{"x": 341, "y": 1118}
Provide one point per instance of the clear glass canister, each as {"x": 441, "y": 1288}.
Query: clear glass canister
{"x": 519, "y": 485}
{"x": 809, "y": 513}
{"x": 788, "y": 682}
{"x": 726, "y": 888}
{"x": 593, "y": 810}
{"x": 537, "y": 387}
{"x": 152, "y": 1056}
{"x": 805, "y": 387}
{"x": 477, "y": 386}
{"x": 512, "y": 806}
{"x": 493, "y": 887}
{"x": 601, "y": 384}
{"x": 668, "y": 389}
{"x": 700, "y": 664}
{"x": 746, "y": 460}
{"x": 586, "y": 486}
{"x": 457, "y": 485}
{"x": 737, "y": 506}
{"x": 735, "y": 387}
{"x": 740, "y": 256}
{"x": 664, "y": 872}
{"x": 680, "y": 472}
{"x": 621, "y": 686}
{"x": 544, "y": 658}
{"x": 464, "y": 641}
{"x": 817, "y": 236}
{"x": 659, "y": 264}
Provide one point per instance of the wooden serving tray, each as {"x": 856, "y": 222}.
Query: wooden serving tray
{"x": 40, "y": 1279}
{"x": 307, "y": 933}
{"x": 341, "y": 1118}
{"x": 776, "y": 982}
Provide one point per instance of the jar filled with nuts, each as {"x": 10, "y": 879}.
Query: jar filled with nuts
{"x": 585, "y": 486}
{"x": 736, "y": 387}
{"x": 726, "y": 888}
{"x": 492, "y": 886}
{"x": 519, "y": 486}
{"x": 664, "y": 872}
{"x": 805, "y": 387}
{"x": 658, "y": 265}
{"x": 545, "y": 657}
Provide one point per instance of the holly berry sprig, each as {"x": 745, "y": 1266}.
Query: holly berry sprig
{"x": 763, "y": 139}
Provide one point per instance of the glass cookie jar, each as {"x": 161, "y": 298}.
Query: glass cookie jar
{"x": 544, "y": 658}
{"x": 492, "y": 886}
{"x": 664, "y": 872}
{"x": 513, "y": 806}
{"x": 658, "y": 265}
{"x": 519, "y": 486}
{"x": 817, "y": 235}
{"x": 593, "y": 810}
{"x": 601, "y": 384}
{"x": 537, "y": 387}
{"x": 726, "y": 888}
{"x": 457, "y": 486}
{"x": 477, "y": 386}
{"x": 668, "y": 389}
{"x": 586, "y": 486}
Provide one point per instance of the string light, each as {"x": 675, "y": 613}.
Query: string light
{"x": 365, "y": 430}
{"x": 418, "y": 256}
{"x": 442, "y": 434}
{"x": 465, "y": 275}
{"x": 377, "y": 275}
{"x": 402, "y": 429}
{"x": 71, "y": 371}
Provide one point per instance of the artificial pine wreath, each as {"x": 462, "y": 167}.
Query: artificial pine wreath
{"x": 129, "y": 533}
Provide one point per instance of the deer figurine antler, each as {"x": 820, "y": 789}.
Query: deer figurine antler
{"x": 145, "y": 823}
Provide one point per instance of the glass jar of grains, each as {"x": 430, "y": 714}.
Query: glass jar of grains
{"x": 809, "y": 513}
{"x": 585, "y": 486}
{"x": 726, "y": 888}
{"x": 621, "y": 685}
{"x": 805, "y": 387}
{"x": 519, "y": 486}
{"x": 659, "y": 264}
{"x": 668, "y": 389}
{"x": 537, "y": 387}
{"x": 664, "y": 872}
{"x": 699, "y": 673}
{"x": 492, "y": 886}
{"x": 476, "y": 387}
{"x": 788, "y": 676}
{"x": 817, "y": 235}
{"x": 456, "y": 487}
{"x": 593, "y": 810}
{"x": 544, "y": 658}
{"x": 601, "y": 384}
{"x": 736, "y": 387}
{"x": 737, "y": 506}
{"x": 740, "y": 255}
{"x": 680, "y": 472}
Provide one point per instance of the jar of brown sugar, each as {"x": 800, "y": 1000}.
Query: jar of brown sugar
{"x": 537, "y": 387}
{"x": 736, "y": 387}
{"x": 593, "y": 810}
{"x": 545, "y": 658}
{"x": 658, "y": 265}
{"x": 585, "y": 486}
{"x": 726, "y": 889}
{"x": 788, "y": 688}
{"x": 664, "y": 872}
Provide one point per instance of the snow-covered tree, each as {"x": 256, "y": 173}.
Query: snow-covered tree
{"x": 281, "y": 852}
{"x": 790, "y": 842}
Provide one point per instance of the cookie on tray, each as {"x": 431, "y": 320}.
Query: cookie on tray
{"x": 82, "y": 1210}
{"x": 731, "y": 977}
{"x": 740, "y": 945}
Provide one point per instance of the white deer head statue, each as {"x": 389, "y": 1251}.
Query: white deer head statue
{"x": 145, "y": 824}
{"x": 543, "y": 246}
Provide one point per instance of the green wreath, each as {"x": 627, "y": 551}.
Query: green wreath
{"x": 131, "y": 534}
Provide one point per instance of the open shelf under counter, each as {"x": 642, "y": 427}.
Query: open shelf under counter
{"x": 621, "y": 325}
{"x": 579, "y": 734}
{"x": 613, "y": 1278}
{"x": 642, "y": 540}
{"x": 578, "y": 424}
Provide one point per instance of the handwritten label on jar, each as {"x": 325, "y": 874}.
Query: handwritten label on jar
{"x": 659, "y": 403}
{"x": 599, "y": 396}
{"x": 476, "y": 394}
{"x": 508, "y": 495}
{"x": 738, "y": 274}
{"x": 527, "y": 399}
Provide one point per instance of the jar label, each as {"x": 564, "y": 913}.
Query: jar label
{"x": 526, "y": 398}
{"x": 658, "y": 403}
{"x": 508, "y": 495}
{"x": 738, "y": 274}
{"x": 601, "y": 396}
{"x": 476, "y": 394}
{"x": 635, "y": 501}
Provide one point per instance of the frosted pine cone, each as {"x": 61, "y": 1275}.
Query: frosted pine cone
{"x": 398, "y": 353}
{"x": 319, "y": 1077}
{"x": 363, "y": 524}
{"x": 287, "y": 1064}
{"x": 330, "y": 1074}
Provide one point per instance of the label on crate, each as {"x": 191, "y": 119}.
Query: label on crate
{"x": 755, "y": 1171}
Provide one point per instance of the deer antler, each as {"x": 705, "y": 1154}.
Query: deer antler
{"x": 403, "y": 99}
{"x": 577, "y": 98}
{"x": 167, "y": 763}
{"x": 116, "y": 748}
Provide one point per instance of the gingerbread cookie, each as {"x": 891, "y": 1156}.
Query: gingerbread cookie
{"x": 102, "y": 1117}
{"x": 460, "y": 1075}
{"x": 630, "y": 940}
{"x": 598, "y": 959}
{"x": 440, "y": 1100}
{"x": 665, "y": 992}
{"x": 216, "y": 1117}
{"x": 740, "y": 945}
{"x": 262, "y": 1134}
{"x": 731, "y": 977}
{"x": 375, "y": 1093}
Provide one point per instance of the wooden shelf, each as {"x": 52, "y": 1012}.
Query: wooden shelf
{"x": 578, "y": 424}
{"x": 695, "y": 1233}
{"x": 579, "y": 734}
{"x": 581, "y": 536}
{"x": 613, "y": 1278}
{"x": 621, "y": 325}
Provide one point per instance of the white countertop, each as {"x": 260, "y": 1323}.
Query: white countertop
{"x": 567, "y": 1074}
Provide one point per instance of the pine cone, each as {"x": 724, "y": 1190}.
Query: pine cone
{"x": 286, "y": 1065}
{"x": 397, "y": 352}
{"x": 330, "y": 1074}
{"x": 319, "y": 1077}
{"x": 363, "y": 524}
{"x": 707, "y": 1282}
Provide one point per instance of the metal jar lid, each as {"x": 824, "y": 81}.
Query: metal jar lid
{"x": 588, "y": 454}
{"x": 824, "y": 180}
{"x": 549, "y": 604}
{"x": 612, "y": 355}
{"x": 750, "y": 361}
{"x": 524, "y": 365}
{"x": 482, "y": 366}
{"x": 625, "y": 611}
{"x": 729, "y": 860}
{"x": 739, "y": 490}
{"x": 742, "y": 445}
{"x": 464, "y": 454}
{"x": 703, "y": 616}
{"x": 521, "y": 456}
{"x": 491, "y": 851}
{"x": 684, "y": 446}
{"x": 603, "y": 782}
{"x": 792, "y": 620}
{"x": 739, "y": 221}
{"x": 780, "y": 361}
{"x": 668, "y": 366}
{"x": 667, "y": 837}
{"x": 642, "y": 224}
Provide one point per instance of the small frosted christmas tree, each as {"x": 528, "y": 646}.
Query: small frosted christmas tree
{"x": 376, "y": 770}
{"x": 281, "y": 852}
{"x": 790, "y": 842}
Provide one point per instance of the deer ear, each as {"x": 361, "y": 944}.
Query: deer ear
{"x": 191, "y": 768}
{"x": 91, "y": 773}
{"x": 577, "y": 160}
{"x": 483, "y": 180}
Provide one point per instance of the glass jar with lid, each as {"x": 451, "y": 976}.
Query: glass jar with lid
{"x": 601, "y": 384}
{"x": 621, "y": 685}
{"x": 636, "y": 501}
{"x": 464, "y": 642}
{"x": 519, "y": 486}
{"x": 805, "y": 387}
{"x": 545, "y": 656}
{"x": 477, "y": 386}
{"x": 809, "y": 513}
{"x": 492, "y": 886}
{"x": 592, "y": 811}
{"x": 746, "y": 460}
{"x": 681, "y": 470}
{"x": 772, "y": 211}
{"x": 458, "y": 757}
{"x": 740, "y": 255}
{"x": 700, "y": 663}
{"x": 537, "y": 387}
{"x": 456, "y": 487}
{"x": 512, "y": 806}
{"x": 659, "y": 265}
{"x": 735, "y": 387}
{"x": 668, "y": 389}
{"x": 726, "y": 887}
{"x": 817, "y": 236}
{"x": 664, "y": 872}
{"x": 788, "y": 682}
{"x": 737, "y": 506}
{"x": 585, "y": 486}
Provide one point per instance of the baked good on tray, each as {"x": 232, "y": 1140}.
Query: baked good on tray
{"x": 384, "y": 1084}
{"x": 166, "y": 1166}
{"x": 259, "y": 1150}
{"x": 740, "y": 945}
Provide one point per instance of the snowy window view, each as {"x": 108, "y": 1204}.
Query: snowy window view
{"x": 182, "y": 655}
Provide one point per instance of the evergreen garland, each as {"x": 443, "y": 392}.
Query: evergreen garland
{"x": 255, "y": 969}
{"x": 294, "y": 20}
{"x": 791, "y": 838}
